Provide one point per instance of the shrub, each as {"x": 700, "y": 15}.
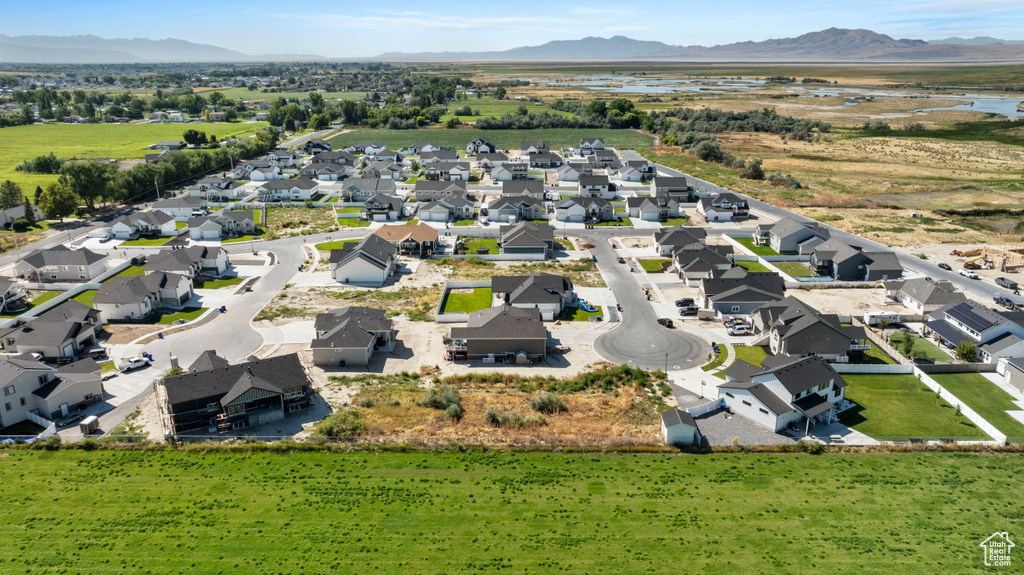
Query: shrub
{"x": 445, "y": 397}
{"x": 341, "y": 423}
{"x": 752, "y": 170}
{"x": 453, "y": 411}
{"x": 20, "y": 225}
{"x": 514, "y": 420}
{"x": 367, "y": 402}
{"x": 548, "y": 403}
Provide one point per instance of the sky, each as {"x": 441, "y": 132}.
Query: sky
{"x": 344, "y": 28}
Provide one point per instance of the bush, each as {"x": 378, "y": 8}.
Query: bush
{"x": 20, "y": 225}
{"x": 445, "y": 397}
{"x": 453, "y": 411}
{"x": 341, "y": 423}
{"x": 548, "y": 403}
{"x": 514, "y": 420}
{"x": 367, "y": 402}
{"x": 752, "y": 170}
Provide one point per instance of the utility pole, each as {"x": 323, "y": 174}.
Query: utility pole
{"x": 157, "y": 187}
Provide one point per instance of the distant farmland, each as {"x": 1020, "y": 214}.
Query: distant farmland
{"x": 503, "y": 139}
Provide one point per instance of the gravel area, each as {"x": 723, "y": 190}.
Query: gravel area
{"x": 721, "y": 429}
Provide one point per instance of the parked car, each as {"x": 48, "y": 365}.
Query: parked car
{"x": 665, "y": 321}
{"x": 740, "y": 330}
{"x": 969, "y": 274}
{"x": 1004, "y": 302}
{"x": 945, "y": 266}
{"x": 70, "y": 419}
{"x": 622, "y": 260}
{"x": 134, "y": 363}
{"x": 684, "y": 302}
{"x": 688, "y": 310}
{"x": 735, "y": 321}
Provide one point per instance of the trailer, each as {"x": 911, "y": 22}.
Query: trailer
{"x": 89, "y": 425}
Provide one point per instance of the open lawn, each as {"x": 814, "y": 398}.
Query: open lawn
{"x": 218, "y": 283}
{"x": 986, "y": 399}
{"x": 655, "y": 265}
{"x": 41, "y": 299}
{"x": 619, "y": 221}
{"x": 335, "y": 245}
{"x": 260, "y": 232}
{"x": 354, "y": 223}
{"x": 463, "y": 223}
{"x": 718, "y": 358}
{"x": 147, "y": 242}
{"x": 503, "y": 139}
{"x": 483, "y": 107}
{"x": 756, "y": 250}
{"x": 923, "y": 347}
{"x": 753, "y": 266}
{"x": 188, "y": 314}
{"x": 349, "y": 210}
{"x": 120, "y": 141}
{"x": 24, "y": 428}
{"x": 480, "y": 298}
{"x": 793, "y": 269}
{"x": 85, "y": 297}
{"x": 490, "y": 511}
{"x": 676, "y": 221}
{"x": 901, "y": 407}
{"x": 473, "y": 244}
{"x": 129, "y": 272}
{"x": 577, "y": 314}
{"x": 752, "y": 354}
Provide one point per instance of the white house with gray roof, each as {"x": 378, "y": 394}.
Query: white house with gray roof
{"x": 154, "y": 223}
{"x": 181, "y": 208}
{"x": 61, "y": 263}
{"x": 288, "y": 190}
{"x": 351, "y": 335}
{"x": 370, "y": 262}
{"x": 136, "y": 298}
{"x": 362, "y": 189}
{"x": 923, "y": 295}
{"x": 31, "y": 386}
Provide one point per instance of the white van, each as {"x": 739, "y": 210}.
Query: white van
{"x": 875, "y": 317}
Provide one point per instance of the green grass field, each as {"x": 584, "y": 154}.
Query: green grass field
{"x": 986, "y": 399}
{"x": 753, "y": 266}
{"x": 480, "y": 298}
{"x": 654, "y": 265}
{"x": 901, "y": 407}
{"x": 85, "y": 297}
{"x": 354, "y": 223}
{"x": 577, "y": 314}
{"x": 492, "y": 107}
{"x": 335, "y": 245}
{"x": 752, "y": 354}
{"x": 122, "y": 141}
{"x": 619, "y": 221}
{"x": 793, "y": 269}
{"x": 322, "y": 513}
{"x": 218, "y": 283}
{"x": 189, "y": 314}
{"x": 238, "y": 94}
{"x": 676, "y": 221}
{"x": 246, "y": 238}
{"x": 473, "y": 244}
{"x": 756, "y": 250}
{"x": 719, "y": 358}
{"x": 503, "y": 139}
{"x": 147, "y": 242}
{"x": 462, "y": 223}
{"x": 45, "y": 297}
{"x": 129, "y": 272}
{"x": 923, "y": 347}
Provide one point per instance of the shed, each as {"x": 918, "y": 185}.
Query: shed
{"x": 679, "y": 428}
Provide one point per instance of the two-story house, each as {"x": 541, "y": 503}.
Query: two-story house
{"x": 381, "y": 208}
{"x": 584, "y": 209}
{"x": 845, "y": 262}
{"x": 298, "y": 190}
{"x": 724, "y": 207}
{"x": 796, "y": 329}
{"x": 61, "y": 263}
{"x": 515, "y": 209}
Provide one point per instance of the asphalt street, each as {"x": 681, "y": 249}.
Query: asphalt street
{"x": 638, "y": 340}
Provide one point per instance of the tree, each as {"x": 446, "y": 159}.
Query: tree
{"x": 39, "y": 192}
{"x": 58, "y": 201}
{"x": 90, "y": 180}
{"x": 965, "y": 351}
{"x": 752, "y": 170}
{"x": 883, "y": 323}
{"x": 907, "y": 344}
{"x": 30, "y": 215}
{"x": 289, "y": 125}
{"x": 194, "y": 137}
{"x": 10, "y": 195}
{"x": 597, "y": 108}
{"x": 500, "y": 93}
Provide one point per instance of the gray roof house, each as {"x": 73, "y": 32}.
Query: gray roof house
{"x": 136, "y": 298}
{"x": 429, "y": 190}
{"x": 738, "y": 292}
{"x": 381, "y": 208}
{"x": 584, "y": 209}
{"x": 667, "y": 240}
{"x": 723, "y": 207}
{"x": 538, "y": 147}
{"x": 798, "y": 330}
{"x": 350, "y": 336}
{"x": 65, "y": 331}
{"x": 789, "y": 236}
{"x": 61, "y": 263}
{"x": 675, "y": 187}
{"x": 515, "y": 208}
{"x": 526, "y": 238}
{"x": 506, "y": 333}
{"x": 362, "y": 189}
{"x": 453, "y": 208}
{"x": 923, "y": 295}
{"x": 651, "y": 209}
{"x": 446, "y": 170}
{"x": 995, "y": 334}
{"x": 370, "y": 262}
{"x": 545, "y": 160}
{"x": 695, "y": 262}
{"x": 532, "y": 188}
{"x": 442, "y": 155}
{"x": 480, "y": 145}
{"x": 846, "y": 262}
{"x": 549, "y": 293}
{"x": 181, "y": 207}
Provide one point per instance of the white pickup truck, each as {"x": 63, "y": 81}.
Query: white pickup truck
{"x": 133, "y": 363}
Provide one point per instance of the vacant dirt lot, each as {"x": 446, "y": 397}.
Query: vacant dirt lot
{"x": 845, "y": 301}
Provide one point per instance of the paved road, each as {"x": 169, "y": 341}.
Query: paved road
{"x": 299, "y": 141}
{"x": 909, "y": 262}
{"x": 638, "y": 340}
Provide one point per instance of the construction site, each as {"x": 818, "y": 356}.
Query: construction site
{"x": 1007, "y": 258}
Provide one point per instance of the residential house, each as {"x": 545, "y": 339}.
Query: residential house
{"x": 419, "y": 148}
{"x": 739, "y": 292}
{"x": 64, "y": 332}
{"x": 516, "y": 209}
{"x": 212, "y": 396}
{"x": 370, "y": 262}
{"x": 323, "y": 171}
{"x": 439, "y": 155}
{"x": 381, "y": 208}
{"x": 288, "y": 190}
{"x": 388, "y": 156}
{"x": 604, "y": 159}
{"x": 32, "y": 387}
{"x": 509, "y": 171}
{"x": 785, "y": 392}
{"x": 724, "y": 207}
{"x": 548, "y": 293}
{"x": 789, "y": 236}
{"x": 923, "y": 295}
{"x": 284, "y": 158}
{"x": 11, "y": 215}
{"x": 448, "y": 171}
{"x": 668, "y": 240}
{"x": 362, "y": 189}
{"x": 181, "y": 208}
{"x": 505, "y": 333}
{"x": 796, "y": 329}
{"x": 584, "y": 209}
{"x": 216, "y": 189}
{"x": 61, "y": 263}
{"x": 428, "y": 191}
{"x": 480, "y": 146}
{"x": 529, "y": 148}
{"x": 264, "y": 174}
{"x": 595, "y": 186}
{"x": 994, "y": 334}
{"x": 845, "y": 262}
{"x": 678, "y": 188}
{"x": 531, "y": 188}
{"x": 1011, "y": 371}
{"x": 450, "y": 209}
{"x": 315, "y": 146}
{"x": 588, "y": 145}
{"x": 545, "y": 160}
{"x": 337, "y": 157}
{"x": 350, "y": 335}
{"x": 636, "y": 171}
{"x": 679, "y": 428}
{"x": 419, "y": 240}
{"x": 696, "y": 262}
{"x": 383, "y": 170}
{"x": 191, "y": 261}
{"x": 487, "y": 161}
{"x": 366, "y": 148}
{"x": 148, "y": 224}
{"x": 136, "y": 298}
{"x": 651, "y": 209}
{"x": 168, "y": 145}
{"x": 225, "y": 224}
{"x": 572, "y": 171}
{"x": 526, "y": 238}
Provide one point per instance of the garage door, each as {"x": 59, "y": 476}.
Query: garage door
{"x": 69, "y": 351}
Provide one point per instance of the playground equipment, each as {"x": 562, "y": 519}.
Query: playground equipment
{"x": 586, "y": 306}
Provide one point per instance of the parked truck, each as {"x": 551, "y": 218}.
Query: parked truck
{"x": 1006, "y": 283}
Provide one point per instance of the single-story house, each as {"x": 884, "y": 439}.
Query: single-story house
{"x": 480, "y": 146}
{"x": 323, "y": 171}
{"x": 508, "y": 171}
{"x": 383, "y": 170}
{"x": 224, "y": 224}
{"x": 419, "y": 148}
{"x": 362, "y": 189}
{"x": 651, "y": 209}
{"x": 11, "y": 215}
{"x": 446, "y": 171}
{"x": 288, "y": 190}
{"x": 923, "y": 295}
{"x": 695, "y": 262}
{"x": 487, "y": 161}
{"x": 506, "y": 333}
{"x": 516, "y": 209}
{"x": 789, "y": 236}
{"x": 571, "y": 171}
{"x": 548, "y": 293}
{"x": 136, "y": 298}
{"x": 668, "y": 240}
{"x": 584, "y": 209}
{"x": 350, "y": 336}
{"x": 190, "y": 261}
{"x": 527, "y": 238}
{"x": 739, "y": 292}
{"x": 428, "y": 191}
{"x": 439, "y": 155}
{"x": 545, "y": 160}
{"x": 532, "y": 188}
{"x": 337, "y": 157}
{"x": 366, "y": 148}
{"x": 144, "y": 224}
{"x": 371, "y": 262}
{"x": 418, "y": 240}
{"x": 450, "y": 209}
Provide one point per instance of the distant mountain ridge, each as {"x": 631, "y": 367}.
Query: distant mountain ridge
{"x": 976, "y": 41}
{"x": 591, "y": 47}
{"x": 89, "y": 49}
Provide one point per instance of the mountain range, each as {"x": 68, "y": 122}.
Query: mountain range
{"x": 90, "y": 49}
{"x": 833, "y": 44}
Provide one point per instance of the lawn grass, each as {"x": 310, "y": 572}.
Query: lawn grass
{"x": 480, "y": 298}
{"x": 128, "y": 272}
{"x": 899, "y": 407}
{"x": 106, "y": 366}
{"x": 752, "y": 266}
{"x": 719, "y": 358}
{"x": 577, "y": 314}
{"x": 654, "y": 265}
{"x": 503, "y": 139}
{"x": 676, "y": 221}
{"x": 189, "y": 314}
{"x": 566, "y": 245}
{"x": 412, "y": 222}
{"x": 353, "y": 223}
{"x": 180, "y": 225}
{"x": 335, "y": 245}
{"x": 147, "y": 242}
{"x": 218, "y": 283}
{"x": 756, "y": 250}
{"x": 876, "y": 356}
{"x": 260, "y": 232}
{"x": 248, "y": 511}
{"x": 349, "y": 210}
{"x": 617, "y": 222}
{"x": 752, "y": 354}
{"x": 472, "y": 244}
{"x": 121, "y": 141}
{"x": 85, "y": 297}
{"x": 986, "y": 399}
{"x": 492, "y": 107}
{"x": 793, "y": 269}
{"x": 923, "y": 347}
{"x": 45, "y": 297}
{"x": 22, "y": 428}
{"x": 462, "y": 223}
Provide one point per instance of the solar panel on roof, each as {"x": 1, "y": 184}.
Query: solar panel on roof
{"x": 964, "y": 313}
